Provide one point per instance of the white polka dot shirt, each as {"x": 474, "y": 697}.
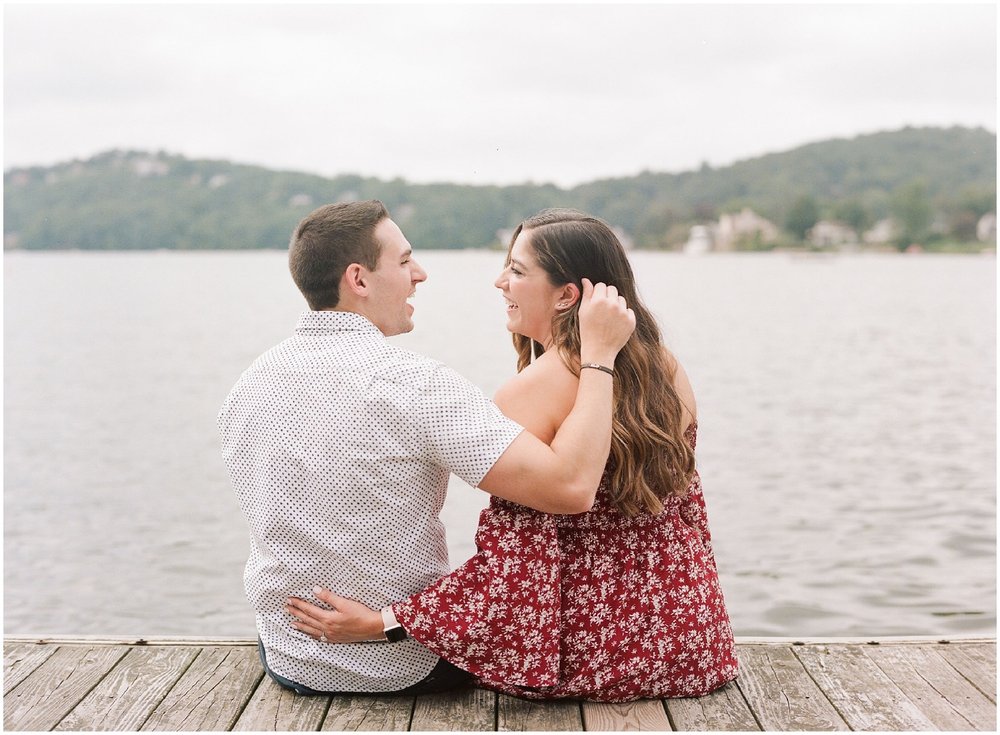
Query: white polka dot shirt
{"x": 339, "y": 446}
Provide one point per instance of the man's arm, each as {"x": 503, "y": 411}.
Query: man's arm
{"x": 563, "y": 477}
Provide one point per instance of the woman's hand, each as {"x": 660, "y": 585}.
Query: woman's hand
{"x": 606, "y": 323}
{"x": 347, "y": 621}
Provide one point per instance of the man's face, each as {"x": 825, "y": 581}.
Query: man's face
{"x": 393, "y": 281}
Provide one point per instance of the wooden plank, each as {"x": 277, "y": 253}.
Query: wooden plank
{"x": 780, "y": 692}
{"x": 125, "y": 698}
{"x": 984, "y": 651}
{"x": 41, "y": 700}
{"x": 946, "y": 697}
{"x": 643, "y": 714}
{"x": 831, "y": 640}
{"x": 369, "y": 713}
{"x": 273, "y": 708}
{"x": 466, "y": 709}
{"x": 725, "y": 709}
{"x": 865, "y": 697}
{"x": 212, "y": 692}
{"x": 906, "y": 685}
{"x": 20, "y": 659}
{"x": 525, "y": 715}
{"x": 110, "y": 640}
{"x": 977, "y": 663}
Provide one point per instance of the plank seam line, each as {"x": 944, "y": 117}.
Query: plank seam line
{"x": 937, "y": 691}
{"x": 412, "y": 699}
{"x": 246, "y": 701}
{"x": 76, "y": 704}
{"x": 746, "y": 700}
{"x": 666, "y": 711}
{"x": 902, "y": 694}
{"x": 989, "y": 695}
{"x": 199, "y": 699}
{"x": 326, "y": 709}
{"x": 170, "y": 689}
{"x": 203, "y": 695}
{"x": 27, "y": 676}
{"x": 822, "y": 691}
{"x": 951, "y": 704}
{"x": 30, "y": 673}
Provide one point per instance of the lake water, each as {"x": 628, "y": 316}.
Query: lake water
{"x": 847, "y": 444}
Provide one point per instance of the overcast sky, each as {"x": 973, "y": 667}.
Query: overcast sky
{"x": 476, "y": 93}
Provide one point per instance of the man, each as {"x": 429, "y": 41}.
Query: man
{"x": 339, "y": 446}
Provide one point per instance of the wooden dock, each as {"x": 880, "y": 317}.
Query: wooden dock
{"x": 174, "y": 684}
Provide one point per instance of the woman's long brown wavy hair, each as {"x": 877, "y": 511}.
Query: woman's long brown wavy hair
{"x": 651, "y": 459}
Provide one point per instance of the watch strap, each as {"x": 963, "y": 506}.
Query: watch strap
{"x": 393, "y": 631}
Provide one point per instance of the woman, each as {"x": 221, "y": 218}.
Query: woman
{"x": 619, "y": 603}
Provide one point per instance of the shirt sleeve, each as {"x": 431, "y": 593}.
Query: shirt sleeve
{"x": 463, "y": 429}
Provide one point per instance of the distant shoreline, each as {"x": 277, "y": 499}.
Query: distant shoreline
{"x": 933, "y": 186}
{"x": 953, "y": 249}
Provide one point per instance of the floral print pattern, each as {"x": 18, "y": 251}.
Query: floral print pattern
{"x": 595, "y": 606}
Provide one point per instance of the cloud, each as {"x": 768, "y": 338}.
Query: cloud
{"x": 486, "y": 93}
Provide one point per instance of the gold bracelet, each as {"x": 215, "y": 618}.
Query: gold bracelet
{"x": 595, "y": 366}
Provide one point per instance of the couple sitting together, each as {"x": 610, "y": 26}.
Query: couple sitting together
{"x": 594, "y": 576}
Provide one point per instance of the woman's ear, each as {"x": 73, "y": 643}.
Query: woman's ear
{"x": 569, "y": 295}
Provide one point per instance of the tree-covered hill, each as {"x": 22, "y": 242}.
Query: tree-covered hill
{"x": 143, "y": 200}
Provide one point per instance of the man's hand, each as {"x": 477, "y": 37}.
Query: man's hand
{"x": 347, "y": 621}
{"x": 606, "y": 323}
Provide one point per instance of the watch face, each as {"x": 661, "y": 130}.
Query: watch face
{"x": 394, "y": 635}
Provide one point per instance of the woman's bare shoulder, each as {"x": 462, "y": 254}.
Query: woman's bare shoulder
{"x": 540, "y": 396}
{"x": 546, "y": 372}
{"x": 682, "y": 385}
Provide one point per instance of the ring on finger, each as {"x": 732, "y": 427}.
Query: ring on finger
{"x": 322, "y": 638}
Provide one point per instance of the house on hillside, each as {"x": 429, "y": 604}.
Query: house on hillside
{"x": 743, "y": 226}
{"x": 18, "y": 178}
{"x": 149, "y": 166}
{"x": 883, "y": 233}
{"x": 699, "y": 240}
{"x": 827, "y": 234}
{"x": 986, "y": 228}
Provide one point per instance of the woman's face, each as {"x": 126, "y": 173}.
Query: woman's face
{"x": 531, "y": 298}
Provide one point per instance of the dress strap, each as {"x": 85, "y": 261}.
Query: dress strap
{"x": 691, "y": 433}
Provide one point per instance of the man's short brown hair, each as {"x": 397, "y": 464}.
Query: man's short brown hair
{"x": 327, "y": 241}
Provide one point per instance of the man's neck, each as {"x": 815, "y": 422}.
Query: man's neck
{"x": 353, "y": 309}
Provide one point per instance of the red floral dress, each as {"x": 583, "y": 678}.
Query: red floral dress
{"x": 596, "y": 606}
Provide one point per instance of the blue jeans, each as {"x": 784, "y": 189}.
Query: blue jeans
{"x": 443, "y": 676}
{"x": 286, "y": 683}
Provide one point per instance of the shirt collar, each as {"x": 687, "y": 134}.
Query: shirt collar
{"x": 331, "y": 322}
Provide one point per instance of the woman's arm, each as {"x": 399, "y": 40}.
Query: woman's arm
{"x": 562, "y": 477}
{"x": 539, "y": 397}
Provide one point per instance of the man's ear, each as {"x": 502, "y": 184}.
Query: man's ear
{"x": 355, "y": 280}
{"x": 569, "y": 295}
